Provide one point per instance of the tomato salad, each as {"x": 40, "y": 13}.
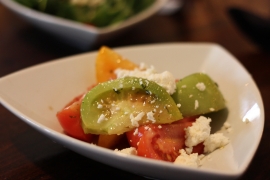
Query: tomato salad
{"x": 152, "y": 115}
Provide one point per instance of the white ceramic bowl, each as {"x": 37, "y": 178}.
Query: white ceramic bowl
{"x": 35, "y": 95}
{"x": 78, "y": 34}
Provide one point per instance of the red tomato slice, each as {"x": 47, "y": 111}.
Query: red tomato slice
{"x": 70, "y": 120}
{"x": 161, "y": 142}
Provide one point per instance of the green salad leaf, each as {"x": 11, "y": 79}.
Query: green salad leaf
{"x": 99, "y": 13}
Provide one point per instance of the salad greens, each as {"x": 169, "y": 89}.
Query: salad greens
{"x": 99, "y": 13}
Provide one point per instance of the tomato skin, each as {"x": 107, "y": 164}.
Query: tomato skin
{"x": 162, "y": 142}
{"x": 70, "y": 120}
{"x": 107, "y": 61}
{"x": 134, "y": 138}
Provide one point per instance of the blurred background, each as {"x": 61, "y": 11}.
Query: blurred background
{"x": 22, "y": 45}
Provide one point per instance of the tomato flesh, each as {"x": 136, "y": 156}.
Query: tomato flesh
{"x": 107, "y": 61}
{"x": 70, "y": 120}
{"x": 161, "y": 142}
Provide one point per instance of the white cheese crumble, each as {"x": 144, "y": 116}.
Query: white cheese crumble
{"x": 153, "y": 101}
{"x": 150, "y": 116}
{"x": 135, "y": 120}
{"x": 196, "y": 104}
{"x": 189, "y": 150}
{"x": 164, "y": 79}
{"x": 200, "y": 86}
{"x": 101, "y": 118}
{"x": 215, "y": 141}
{"x": 227, "y": 127}
{"x": 128, "y": 151}
{"x": 191, "y": 160}
{"x": 211, "y": 109}
{"x": 99, "y": 106}
{"x": 135, "y": 132}
{"x": 198, "y": 132}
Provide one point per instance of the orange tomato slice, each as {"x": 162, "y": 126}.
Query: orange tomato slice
{"x": 107, "y": 61}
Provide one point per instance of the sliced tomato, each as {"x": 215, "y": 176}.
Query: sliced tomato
{"x": 70, "y": 119}
{"x": 161, "y": 142}
{"x": 110, "y": 141}
{"x": 107, "y": 61}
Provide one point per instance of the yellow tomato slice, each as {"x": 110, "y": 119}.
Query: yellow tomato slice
{"x": 107, "y": 61}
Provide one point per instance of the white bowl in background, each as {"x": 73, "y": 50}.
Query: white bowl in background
{"x": 78, "y": 34}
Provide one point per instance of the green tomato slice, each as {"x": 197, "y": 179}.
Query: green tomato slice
{"x": 120, "y": 105}
{"x": 198, "y": 94}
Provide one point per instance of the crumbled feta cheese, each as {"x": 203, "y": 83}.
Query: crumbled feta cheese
{"x": 211, "y": 109}
{"x": 99, "y": 106}
{"x": 200, "y": 86}
{"x": 196, "y": 104}
{"x": 142, "y": 66}
{"x": 128, "y": 151}
{"x": 159, "y": 126}
{"x": 198, "y": 132}
{"x": 101, "y": 118}
{"x": 227, "y": 127}
{"x": 135, "y": 132}
{"x": 178, "y": 105}
{"x": 150, "y": 116}
{"x": 189, "y": 150}
{"x": 215, "y": 141}
{"x": 191, "y": 160}
{"x": 153, "y": 101}
{"x": 164, "y": 79}
{"x": 135, "y": 120}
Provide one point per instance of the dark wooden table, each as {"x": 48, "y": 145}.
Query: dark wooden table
{"x": 27, "y": 154}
